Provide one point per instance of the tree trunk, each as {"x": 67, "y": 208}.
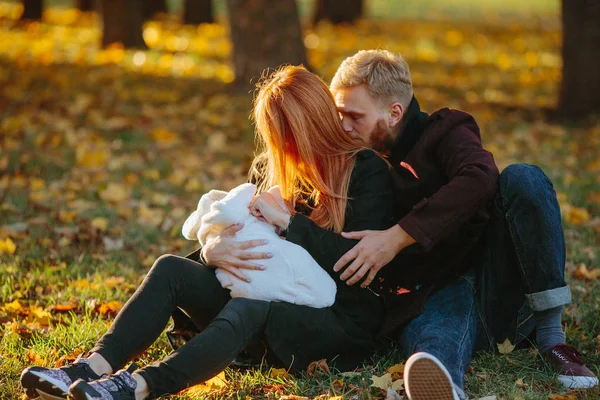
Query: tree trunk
{"x": 85, "y": 5}
{"x": 265, "y": 34}
{"x": 122, "y": 22}
{"x": 198, "y": 12}
{"x": 337, "y": 11}
{"x": 32, "y": 9}
{"x": 580, "y": 89}
{"x": 152, "y": 7}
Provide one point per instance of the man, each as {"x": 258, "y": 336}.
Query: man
{"x": 448, "y": 239}
{"x": 445, "y": 183}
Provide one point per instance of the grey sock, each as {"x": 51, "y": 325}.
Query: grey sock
{"x": 549, "y": 330}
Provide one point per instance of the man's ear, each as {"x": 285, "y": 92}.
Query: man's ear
{"x": 396, "y": 112}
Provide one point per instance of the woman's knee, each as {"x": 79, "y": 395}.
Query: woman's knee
{"x": 163, "y": 264}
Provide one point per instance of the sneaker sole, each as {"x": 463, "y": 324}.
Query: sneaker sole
{"x": 578, "y": 382}
{"x": 425, "y": 380}
{"x": 40, "y": 386}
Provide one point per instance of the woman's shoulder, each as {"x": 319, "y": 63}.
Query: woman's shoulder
{"x": 369, "y": 160}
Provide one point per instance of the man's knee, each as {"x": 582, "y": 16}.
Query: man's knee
{"x": 525, "y": 182}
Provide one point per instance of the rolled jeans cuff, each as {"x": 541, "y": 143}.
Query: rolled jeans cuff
{"x": 551, "y": 298}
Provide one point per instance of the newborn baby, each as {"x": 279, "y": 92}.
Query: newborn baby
{"x": 291, "y": 275}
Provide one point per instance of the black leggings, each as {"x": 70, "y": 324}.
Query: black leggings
{"x": 228, "y": 325}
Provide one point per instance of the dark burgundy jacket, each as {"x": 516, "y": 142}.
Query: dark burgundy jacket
{"x": 445, "y": 182}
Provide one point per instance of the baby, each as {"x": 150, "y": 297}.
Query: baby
{"x": 291, "y": 275}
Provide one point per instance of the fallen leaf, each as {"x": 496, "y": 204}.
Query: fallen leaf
{"x": 100, "y": 224}
{"x": 582, "y": 273}
{"x": 338, "y": 385}
{"x": 279, "y": 373}
{"x": 7, "y": 246}
{"x": 114, "y": 193}
{"x": 520, "y": 384}
{"x": 505, "y": 347}
{"x": 13, "y": 307}
{"x": 398, "y": 384}
{"x": 64, "y": 307}
{"x": 317, "y": 367}
{"x": 35, "y": 358}
{"x": 112, "y": 307}
{"x": 562, "y": 397}
{"x": 382, "y": 382}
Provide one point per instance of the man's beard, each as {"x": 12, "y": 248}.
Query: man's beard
{"x": 380, "y": 138}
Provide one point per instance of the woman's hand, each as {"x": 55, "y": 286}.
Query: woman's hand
{"x": 266, "y": 206}
{"x": 228, "y": 254}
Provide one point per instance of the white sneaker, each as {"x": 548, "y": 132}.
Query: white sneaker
{"x": 426, "y": 378}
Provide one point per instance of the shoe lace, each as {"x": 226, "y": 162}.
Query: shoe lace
{"x": 121, "y": 383}
{"x": 569, "y": 352}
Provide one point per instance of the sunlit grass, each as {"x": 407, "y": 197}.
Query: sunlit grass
{"x": 103, "y": 153}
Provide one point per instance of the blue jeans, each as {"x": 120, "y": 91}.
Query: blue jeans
{"x": 522, "y": 271}
{"x": 524, "y": 260}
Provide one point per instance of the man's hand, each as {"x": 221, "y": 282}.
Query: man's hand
{"x": 224, "y": 252}
{"x": 375, "y": 250}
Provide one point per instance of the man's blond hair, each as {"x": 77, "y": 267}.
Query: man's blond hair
{"x": 386, "y": 75}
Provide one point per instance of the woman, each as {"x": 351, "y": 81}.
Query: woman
{"x": 332, "y": 183}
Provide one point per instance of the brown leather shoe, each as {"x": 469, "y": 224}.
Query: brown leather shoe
{"x": 572, "y": 372}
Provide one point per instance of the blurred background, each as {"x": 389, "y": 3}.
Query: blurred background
{"x": 117, "y": 115}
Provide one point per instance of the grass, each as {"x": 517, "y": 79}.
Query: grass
{"x": 100, "y": 164}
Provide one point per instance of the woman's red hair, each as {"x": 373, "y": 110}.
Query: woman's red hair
{"x": 305, "y": 149}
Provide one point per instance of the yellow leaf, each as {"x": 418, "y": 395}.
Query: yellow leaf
{"x": 100, "y": 223}
{"x": 562, "y": 397}
{"x": 36, "y": 184}
{"x": 152, "y": 174}
{"x": 113, "y": 281}
{"x": 112, "y": 307}
{"x": 88, "y": 156}
{"x": 382, "y": 382}
{"x": 521, "y": 384}
{"x": 150, "y": 216}
{"x": 39, "y": 315}
{"x": 576, "y": 215}
{"x": 164, "y": 137}
{"x": 35, "y": 358}
{"x": 398, "y": 384}
{"x": 277, "y": 373}
{"x": 217, "y": 382}
{"x": 114, "y": 193}
{"x": 396, "y": 368}
{"x": 582, "y": 272}
{"x": 338, "y": 384}
{"x": 13, "y": 307}
{"x": 505, "y": 347}
{"x": 7, "y": 246}
{"x": 66, "y": 216}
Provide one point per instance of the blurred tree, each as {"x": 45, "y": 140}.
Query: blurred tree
{"x": 198, "y": 12}
{"x": 265, "y": 34}
{"x": 151, "y": 7}
{"x": 122, "y": 22}
{"x": 580, "y": 88}
{"x": 338, "y": 11}
{"x": 32, "y": 9}
{"x": 85, "y": 5}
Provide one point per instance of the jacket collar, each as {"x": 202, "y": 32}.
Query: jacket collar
{"x": 416, "y": 120}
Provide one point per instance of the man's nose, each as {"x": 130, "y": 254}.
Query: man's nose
{"x": 346, "y": 123}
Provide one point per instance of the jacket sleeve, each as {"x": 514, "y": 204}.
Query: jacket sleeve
{"x": 370, "y": 206}
{"x": 472, "y": 184}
